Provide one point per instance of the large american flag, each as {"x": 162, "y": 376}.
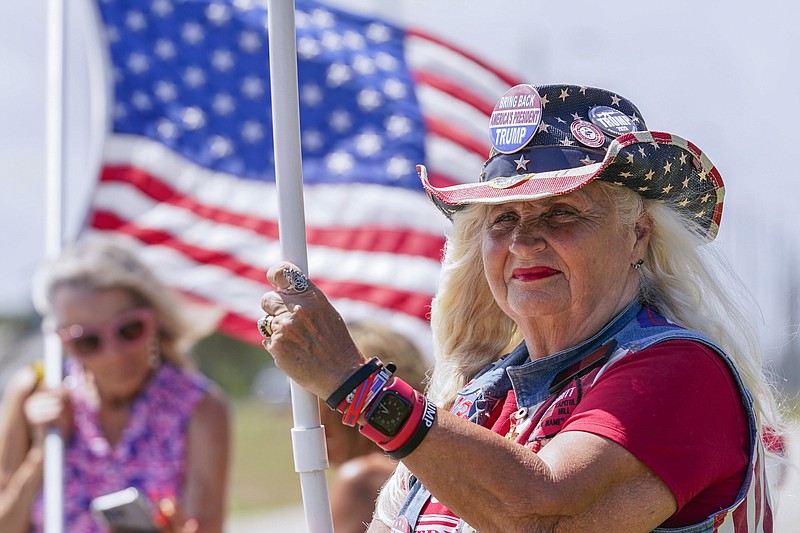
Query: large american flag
{"x": 188, "y": 176}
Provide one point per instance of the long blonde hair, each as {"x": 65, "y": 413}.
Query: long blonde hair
{"x": 686, "y": 280}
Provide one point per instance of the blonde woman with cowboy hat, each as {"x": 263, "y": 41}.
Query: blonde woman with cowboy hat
{"x": 595, "y": 368}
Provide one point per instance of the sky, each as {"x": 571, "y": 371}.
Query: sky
{"x": 721, "y": 74}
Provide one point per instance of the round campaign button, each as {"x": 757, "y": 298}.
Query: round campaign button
{"x": 587, "y": 133}
{"x": 515, "y": 118}
{"x": 612, "y": 121}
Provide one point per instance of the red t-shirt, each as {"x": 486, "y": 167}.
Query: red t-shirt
{"x": 676, "y": 407}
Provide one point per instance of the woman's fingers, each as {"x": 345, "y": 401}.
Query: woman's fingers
{"x": 45, "y": 407}
{"x": 304, "y": 333}
{"x": 287, "y": 277}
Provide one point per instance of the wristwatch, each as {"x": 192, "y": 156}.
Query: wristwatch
{"x": 398, "y": 419}
{"x": 389, "y": 412}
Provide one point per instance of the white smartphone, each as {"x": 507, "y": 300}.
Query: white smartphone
{"x": 127, "y": 511}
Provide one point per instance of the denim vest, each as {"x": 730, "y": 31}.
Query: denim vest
{"x": 633, "y": 330}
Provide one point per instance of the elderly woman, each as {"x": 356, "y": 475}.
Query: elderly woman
{"x": 594, "y": 369}
{"x": 132, "y": 412}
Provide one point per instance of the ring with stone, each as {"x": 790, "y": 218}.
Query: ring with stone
{"x": 265, "y": 325}
{"x": 297, "y": 281}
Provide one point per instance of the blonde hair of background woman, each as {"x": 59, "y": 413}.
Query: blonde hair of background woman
{"x": 686, "y": 280}
{"x": 97, "y": 263}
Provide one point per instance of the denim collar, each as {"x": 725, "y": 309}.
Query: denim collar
{"x": 531, "y": 379}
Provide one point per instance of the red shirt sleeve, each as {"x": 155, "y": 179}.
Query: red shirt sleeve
{"x": 676, "y": 407}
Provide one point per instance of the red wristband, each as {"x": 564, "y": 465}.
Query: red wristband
{"x": 338, "y": 400}
{"x": 408, "y": 429}
{"x": 417, "y": 402}
{"x": 422, "y": 429}
{"x": 359, "y": 400}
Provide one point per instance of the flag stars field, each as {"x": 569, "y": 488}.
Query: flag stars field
{"x": 191, "y": 90}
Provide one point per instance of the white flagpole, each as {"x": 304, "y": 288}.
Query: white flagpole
{"x": 308, "y": 437}
{"x": 54, "y": 141}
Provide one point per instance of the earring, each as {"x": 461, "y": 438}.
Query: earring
{"x": 154, "y": 349}
{"x": 638, "y": 264}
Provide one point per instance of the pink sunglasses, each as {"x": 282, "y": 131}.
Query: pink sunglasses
{"x": 127, "y": 328}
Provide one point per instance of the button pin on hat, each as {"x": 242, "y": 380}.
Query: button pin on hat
{"x": 612, "y": 121}
{"x": 515, "y": 118}
{"x": 587, "y": 134}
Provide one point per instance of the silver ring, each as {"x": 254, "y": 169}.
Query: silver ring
{"x": 297, "y": 281}
{"x": 265, "y": 325}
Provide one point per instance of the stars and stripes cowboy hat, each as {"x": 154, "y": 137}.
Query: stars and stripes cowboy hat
{"x": 554, "y": 139}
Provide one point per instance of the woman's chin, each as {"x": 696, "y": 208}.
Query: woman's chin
{"x": 534, "y": 303}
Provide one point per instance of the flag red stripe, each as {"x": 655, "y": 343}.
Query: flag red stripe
{"x": 240, "y": 327}
{"x": 506, "y": 78}
{"x": 452, "y": 133}
{"x": 739, "y": 518}
{"x": 457, "y": 90}
{"x": 368, "y": 238}
{"x": 439, "y": 180}
{"x": 410, "y": 303}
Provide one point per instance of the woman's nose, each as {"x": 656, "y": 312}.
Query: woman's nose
{"x": 527, "y": 239}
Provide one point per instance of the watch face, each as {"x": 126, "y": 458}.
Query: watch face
{"x": 389, "y": 413}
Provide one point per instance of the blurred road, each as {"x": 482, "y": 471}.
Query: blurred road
{"x": 787, "y": 518}
{"x": 289, "y": 520}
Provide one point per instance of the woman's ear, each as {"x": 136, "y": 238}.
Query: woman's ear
{"x": 642, "y": 229}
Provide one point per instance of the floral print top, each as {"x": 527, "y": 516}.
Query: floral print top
{"x": 150, "y": 455}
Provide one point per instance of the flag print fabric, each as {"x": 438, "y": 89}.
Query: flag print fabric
{"x": 188, "y": 166}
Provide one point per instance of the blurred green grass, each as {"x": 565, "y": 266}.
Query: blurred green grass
{"x": 262, "y": 473}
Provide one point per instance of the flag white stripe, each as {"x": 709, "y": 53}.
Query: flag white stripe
{"x": 457, "y": 113}
{"x": 417, "y": 275}
{"x": 425, "y": 55}
{"x": 452, "y": 161}
{"x": 241, "y": 296}
{"x": 326, "y": 205}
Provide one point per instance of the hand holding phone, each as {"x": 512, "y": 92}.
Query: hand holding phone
{"x": 125, "y": 511}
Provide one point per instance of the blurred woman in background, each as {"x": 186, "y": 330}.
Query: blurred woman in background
{"x": 132, "y": 412}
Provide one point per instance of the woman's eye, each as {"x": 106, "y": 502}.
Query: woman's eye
{"x": 561, "y": 212}
{"x": 505, "y": 218}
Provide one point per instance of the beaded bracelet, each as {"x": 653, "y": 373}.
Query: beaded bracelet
{"x": 336, "y": 401}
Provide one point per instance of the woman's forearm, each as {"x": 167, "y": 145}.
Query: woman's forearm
{"x": 18, "y": 494}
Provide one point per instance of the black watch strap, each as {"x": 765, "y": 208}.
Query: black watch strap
{"x": 352, "y": 382}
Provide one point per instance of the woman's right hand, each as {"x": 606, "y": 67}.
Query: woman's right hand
{"x": 48, "y": 408}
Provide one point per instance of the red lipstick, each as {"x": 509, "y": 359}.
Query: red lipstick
{"x": 532, "y": 274}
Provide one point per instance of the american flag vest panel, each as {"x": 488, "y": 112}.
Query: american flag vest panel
{"x": 548, "y": 389}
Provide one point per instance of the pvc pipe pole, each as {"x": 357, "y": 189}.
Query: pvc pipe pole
{"x": 54, "y": 140}
{"x": 308, "y": 437}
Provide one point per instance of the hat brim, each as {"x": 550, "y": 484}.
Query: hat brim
{"x": 704, "y": 185}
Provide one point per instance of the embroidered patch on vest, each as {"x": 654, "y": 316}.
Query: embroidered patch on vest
{"x": 555, "y": 415}
{"x": 568, "y": 389}
{"x": 463, "y": 404}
